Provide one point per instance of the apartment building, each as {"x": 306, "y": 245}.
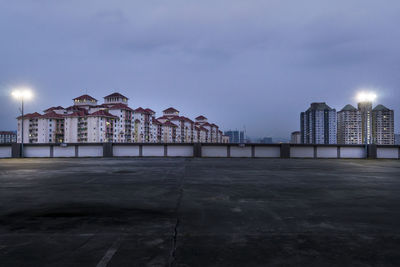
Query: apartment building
{"x": 295, "y": 137}
{"x": 383, "y": 125}
{"x": 235, "y": 136}
{"x": 87, "y": 121}
{"x": 117, "y": 105}
{"x": 145, "y": 131}
{"x": 318, "y": 124}
{"x": 7, "y": 137}
{"x": 366, "y": 125}
{"x": 349, "y": 126}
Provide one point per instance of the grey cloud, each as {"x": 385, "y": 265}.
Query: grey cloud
{"x": 254, "y": 63}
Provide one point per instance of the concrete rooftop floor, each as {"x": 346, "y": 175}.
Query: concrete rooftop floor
{"x": 199, "y": 212}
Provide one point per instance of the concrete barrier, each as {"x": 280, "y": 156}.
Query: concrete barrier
{"x": 63, "y": 151}
{"x": 153, "y": 151}
{"x": 201, "y": 150}
{"x": 214, "y": 151}
{"x": 5, "y": 152}
{"x": 126, "y": 150}
{"x": 41, "y": 151}
{"x": 388, "y": 153}
{"x": 302, "y": 152}
{"x": 179, "y": 151}
{"x": 90, "y": 151}
{"x": 352, "y": 152}
{"x": 240, "y": 152}
{"x": 327, "y": 152}
{"x": 267, "y": 151}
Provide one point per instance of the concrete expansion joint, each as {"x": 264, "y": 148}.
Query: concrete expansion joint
{"x": 172, "y": 258}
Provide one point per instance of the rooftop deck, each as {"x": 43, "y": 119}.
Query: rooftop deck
{"x": 199, "y": 212}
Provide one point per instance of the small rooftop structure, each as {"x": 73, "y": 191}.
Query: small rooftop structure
{"x": 381, "y": 108}
{"x": 171, "y": 111}
{"x": 319, "y": 106}
{"x": 115, "y": 98}
{"x": 85, "y": 100}
{"x": 348, "y": 108}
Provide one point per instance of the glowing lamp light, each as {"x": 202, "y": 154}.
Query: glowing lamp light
{"x": 22, "y": 93}
{"x": 366, "y": 97}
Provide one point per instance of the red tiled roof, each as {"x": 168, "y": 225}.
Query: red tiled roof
{"x": 140, "y": 110}
{"x": 116, "y": 95}
{"x": 98, "y": 106}
{"x": 105, "y": 105}
{"x": 168, "y": 123}
{"x": 171, "y": 109}
{"x": 102, "y": 113}
{"x": 51, "y": 115}
{"x": 150, "y": 110}
{"x": 168, "y": 117}
{"x": 214, "y": 125}
{"x": 79, "y": 113}
{"x": 75, "y": 108}
{"x": 53, "y": 108}
{"x": 7, "y": 132}
{"x": 83, "y": 97}
{"x": 155, "y": 121}
{"x": 30, "y": 115}
{"x": 120, "y": 106}
{"x": 187, "y": 119}
{"x": 201, "y": 117}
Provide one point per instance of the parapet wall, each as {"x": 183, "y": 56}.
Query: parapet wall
{"x": 200, "y": 150}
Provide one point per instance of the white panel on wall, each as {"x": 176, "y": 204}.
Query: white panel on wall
{"x": 302, "y": 152}
{"x": 90, "y": 151}
{"x": 214, "y": 151}
{"x": 36, "y": 151}
{"x": 240, "y": 152}
{"x": 326, "y": 152}
{"x": 352, "y": 152}
{"x": 59, "y": 151}
{"x": 125, "y": 151}
{"x": 180, "y": 151}
{"x": 5, "y": 152}
{"x": 387, "y": 153}
{"x": 153, "y": 151}
{"x": 267, "y": 152}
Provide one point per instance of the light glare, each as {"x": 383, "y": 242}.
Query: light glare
{"x": 366, "y": 96}
{"x": 23, "y": 93}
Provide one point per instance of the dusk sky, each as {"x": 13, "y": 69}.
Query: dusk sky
{"x": 253, "y": 63}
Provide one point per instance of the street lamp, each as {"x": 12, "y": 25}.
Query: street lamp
{"x": 22, "y": 94}
{"x": 365, "y": 100}
{"x": 366, "y": 96}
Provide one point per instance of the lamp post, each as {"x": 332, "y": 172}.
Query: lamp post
{"x": 22, "y": 94}
{"x": 365, "y": 100}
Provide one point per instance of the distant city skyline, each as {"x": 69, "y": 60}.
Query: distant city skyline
{"x": 241, "y": 63}
{"x": 366, "y": 124}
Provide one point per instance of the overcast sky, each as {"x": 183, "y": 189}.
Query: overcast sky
{"x": 253, "y": 63}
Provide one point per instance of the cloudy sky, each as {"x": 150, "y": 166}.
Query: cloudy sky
{"x": 253, "y": 63}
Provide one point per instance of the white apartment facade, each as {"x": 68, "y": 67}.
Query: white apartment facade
{"x": 383, "y": 126}
{"x": 349, "y": 126}
{"x": 86, "y": 121}
{"x": 366, "y": 125}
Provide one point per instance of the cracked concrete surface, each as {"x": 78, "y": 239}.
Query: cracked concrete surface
{"x": 199, "y": 212}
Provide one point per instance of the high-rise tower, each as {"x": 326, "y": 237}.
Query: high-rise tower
{"x": 318, "y": 124}
{"x": 349, "y": 126}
